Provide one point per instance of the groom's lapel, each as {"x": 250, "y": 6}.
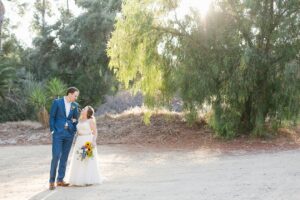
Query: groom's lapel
{"x": 63, "y": 106}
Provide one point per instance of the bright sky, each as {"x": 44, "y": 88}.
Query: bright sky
{"x": 25, "y": 34}
{"x": 23, "y": 30}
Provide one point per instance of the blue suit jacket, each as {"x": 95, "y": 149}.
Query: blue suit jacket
{"x": 58, "y": 116}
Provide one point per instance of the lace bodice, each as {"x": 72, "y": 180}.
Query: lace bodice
{"x": 83, "y": 127}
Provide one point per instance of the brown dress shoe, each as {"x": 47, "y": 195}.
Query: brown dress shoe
{"x": 62, "y": 184}
{"x": 51, "y": 186}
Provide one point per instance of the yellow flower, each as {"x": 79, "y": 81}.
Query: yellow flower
{"x": 87, "y": 144}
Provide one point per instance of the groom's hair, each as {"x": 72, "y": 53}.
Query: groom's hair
{"x": 72, "y": 90}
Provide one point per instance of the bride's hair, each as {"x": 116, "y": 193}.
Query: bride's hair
{"x": 90, "y": 112}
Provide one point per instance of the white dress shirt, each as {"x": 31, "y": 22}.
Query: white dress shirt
{"x": 68, "y": 107}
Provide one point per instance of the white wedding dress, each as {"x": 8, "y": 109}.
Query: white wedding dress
{"x": 84, "y": 172}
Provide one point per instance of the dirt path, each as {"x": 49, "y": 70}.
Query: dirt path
{"x": 139, "y": 173}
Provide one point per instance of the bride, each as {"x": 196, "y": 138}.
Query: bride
{"x": 84, "y": 169}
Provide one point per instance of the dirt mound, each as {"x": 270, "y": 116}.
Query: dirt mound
{"x": 170, "y": 130}
{"x": 23, "y": 132}
{"x": 166, "y": 130}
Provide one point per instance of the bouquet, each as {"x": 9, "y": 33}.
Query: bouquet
{"x": 86, "y": 151}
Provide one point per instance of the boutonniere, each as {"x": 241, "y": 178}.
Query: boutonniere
{"x": 73, "y": 107}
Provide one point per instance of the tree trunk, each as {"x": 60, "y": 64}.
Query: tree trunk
{"x": 68, "y": 9}
{"x": 43, "y": 17}
{"x": 246, "y": 124}
{"x": 43, "y": 117}
{"x": 2, "y": 12}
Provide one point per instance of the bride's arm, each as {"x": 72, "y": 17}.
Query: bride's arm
{"x": 94, "y": 129}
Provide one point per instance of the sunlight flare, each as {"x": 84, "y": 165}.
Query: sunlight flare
{"x": 202, "y": 6}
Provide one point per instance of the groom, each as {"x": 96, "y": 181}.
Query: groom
{"x": 63, "y": 120}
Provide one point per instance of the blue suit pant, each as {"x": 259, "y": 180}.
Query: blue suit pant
{"x": 61, "y": 146}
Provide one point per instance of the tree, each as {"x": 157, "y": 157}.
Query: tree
{"x": 12, "y": 100}
{"x": 82, "y": 55}
{"x": 244, "y": 60}
{"x": 74, "y": 50}
{"x": 6, "y": 75}
{"x": 133, "y": 47}
{"x": 42, "y": 95}
{"x": 42, "y": 9}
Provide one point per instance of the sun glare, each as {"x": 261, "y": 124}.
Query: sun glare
{"x": 202, "y": 6}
